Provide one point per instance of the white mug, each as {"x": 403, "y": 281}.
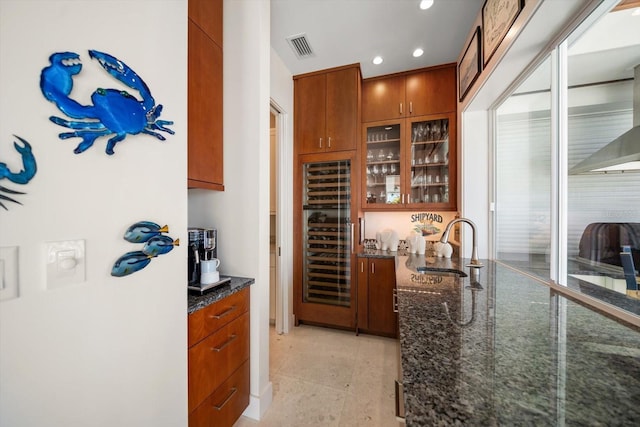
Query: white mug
{"x": 209, "y": 271}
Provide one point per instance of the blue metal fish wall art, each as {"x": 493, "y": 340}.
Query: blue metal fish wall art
{"x": 142, "y": 231}
{"x": 113, "y": 112}
{"x": 155, "y": 243}
{"x": 22, "y": 177}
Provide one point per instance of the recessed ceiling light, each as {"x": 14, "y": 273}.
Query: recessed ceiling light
{"x": 377, "y": 60}
{"x": 418, "y": 52}
{"x": 636, "y": 12}
{"x": 426, "y": 4}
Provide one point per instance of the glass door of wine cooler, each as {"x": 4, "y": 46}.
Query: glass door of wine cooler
{"x": 431, "y": 174}
{"x": 327, "y": 234}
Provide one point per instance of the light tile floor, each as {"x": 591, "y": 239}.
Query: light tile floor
{"x": 327, "y": 377}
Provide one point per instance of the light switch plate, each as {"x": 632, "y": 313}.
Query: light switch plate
{"x": 8, "y": 272}
{"x": 65, "y": 263}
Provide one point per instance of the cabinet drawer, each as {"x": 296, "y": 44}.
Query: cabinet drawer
{"x": 227, "y": 402}
{"x": 212, "y": 360}
{"x": 204, "y": 322}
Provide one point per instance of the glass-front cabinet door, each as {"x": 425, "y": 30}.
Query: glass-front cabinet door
{"x": 431, "y": 161}
{"x": 410, "y": 164}
{"x": 383, "y": 164}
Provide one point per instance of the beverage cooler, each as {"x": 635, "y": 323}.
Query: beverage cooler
{"x": 325, "y": 289}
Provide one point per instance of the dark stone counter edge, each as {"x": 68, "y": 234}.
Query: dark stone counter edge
{"x": 198, "y": 302}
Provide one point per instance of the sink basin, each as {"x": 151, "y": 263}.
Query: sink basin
{"x": 438, "y": 270}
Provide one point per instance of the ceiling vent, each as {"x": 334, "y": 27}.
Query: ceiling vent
{"x": 300, "y": 46}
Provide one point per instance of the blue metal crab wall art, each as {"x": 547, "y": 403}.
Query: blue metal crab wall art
{"x": 155, "y": 243}
{"x": 21, "y": 177}
{"x": 114, "y": 112}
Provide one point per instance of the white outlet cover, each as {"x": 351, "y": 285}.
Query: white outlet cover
{"x": 8, "y": 272}
{"x": 65, "y": 262}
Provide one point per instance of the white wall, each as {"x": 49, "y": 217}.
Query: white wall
{"x": 241, "y": 212}
{"x": 108, "y": 351}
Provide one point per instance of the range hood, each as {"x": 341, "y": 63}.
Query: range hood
{"x": 623, "y": 153}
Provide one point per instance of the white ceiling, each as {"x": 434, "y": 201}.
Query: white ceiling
{"x": 342, "y": 32}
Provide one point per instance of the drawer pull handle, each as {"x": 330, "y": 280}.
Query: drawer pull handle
{"x": 226, "y": 343}
{"x": 224, "y": 313}
{"x": 219, "y": 407}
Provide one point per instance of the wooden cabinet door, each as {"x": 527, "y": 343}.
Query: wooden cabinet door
{"x": 207, "y": 14}
{"x": 342, "y": 109}
{"x": 383, "y": 99}
{"x": 309, "y": 106}
{"x": 363, "y": 294}
{"x": 432, "y": 91}
{"x": 205, "y": 143}
{"x": 382, "y": 282}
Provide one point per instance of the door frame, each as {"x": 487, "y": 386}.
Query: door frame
{"x": 284, "y": 210}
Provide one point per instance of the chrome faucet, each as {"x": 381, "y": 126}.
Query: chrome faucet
{"x": 475, "y": 263}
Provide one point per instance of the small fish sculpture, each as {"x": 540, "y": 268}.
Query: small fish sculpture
{"x": 142, "y": 231}
{"x": 130, "y": 263}
{"x": 159, "y": 245}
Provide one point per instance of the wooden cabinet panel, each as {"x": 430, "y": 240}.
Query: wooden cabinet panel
{"x": 204, "y": 89}
{"x": 207, "y": 14}
{"x": 310, "y": 106}
{"x": 226, "y": 403}
{"x": 327, "y": 110}
{"x": 342, "y": 109}
{"x": 376, "y": 284}
{"x": 363, "y": 293}
{"x": 416, "y": 93}
{"x": 203, "y": 323}
{"x": 382, "y": 282}
{"x": 211, "y": 360}
{"x": 431, "y": 92}
{"x": 205, "y": 153}
{"x": 383, "y": 98}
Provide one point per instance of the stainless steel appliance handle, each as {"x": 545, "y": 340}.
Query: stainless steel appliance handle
{"x": 352, "y": 236}
{"x": 361, "y": 223}
{"x": 395, "y": 300}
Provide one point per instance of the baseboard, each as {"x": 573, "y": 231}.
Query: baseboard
{"x": 258, "y": 405}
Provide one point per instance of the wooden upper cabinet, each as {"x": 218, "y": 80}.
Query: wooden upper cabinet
{"x": 204, "y": 93}
{"x": 415, "y": 93}
{"x": 310, "y": 106}
{"x": 383, "y": 99}
{"x": 207, "y": 14}
{"x": 343, "y": 100}
{"x": 431, "y": 92}
{"x": 327, "y": 110}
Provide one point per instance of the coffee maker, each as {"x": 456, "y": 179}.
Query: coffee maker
{"x": 203, "y": 244}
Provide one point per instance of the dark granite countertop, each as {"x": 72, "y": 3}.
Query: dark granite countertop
{"x": 197, "y": 301}
{"x": 500, "y": 348}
